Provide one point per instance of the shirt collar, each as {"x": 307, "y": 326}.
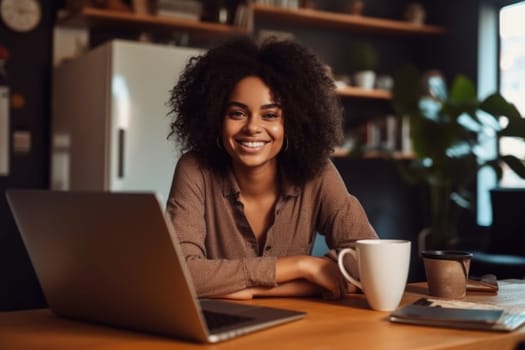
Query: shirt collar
{"x": 230, "y": 187}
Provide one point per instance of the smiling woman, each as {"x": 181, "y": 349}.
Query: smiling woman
{"x": 257, "y": 125}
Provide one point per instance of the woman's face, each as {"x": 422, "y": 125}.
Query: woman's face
{"x": 253, "y": 128}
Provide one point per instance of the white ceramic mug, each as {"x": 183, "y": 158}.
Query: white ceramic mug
{"x": 383, "y": 268}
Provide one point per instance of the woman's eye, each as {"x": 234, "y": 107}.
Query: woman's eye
{"x": 235, "y": 114}
{"x": 271, "y": 116}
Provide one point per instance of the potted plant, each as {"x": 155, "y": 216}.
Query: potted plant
{"x": 363, "y": 61}
{"x": 446, "y": 130}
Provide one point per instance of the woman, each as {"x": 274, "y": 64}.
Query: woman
{"x": 258, "y": 125}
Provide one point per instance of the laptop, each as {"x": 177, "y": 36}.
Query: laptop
{"x": 112, "y": 258}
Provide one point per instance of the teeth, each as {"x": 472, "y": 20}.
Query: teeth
{"x": 252, "y": 144}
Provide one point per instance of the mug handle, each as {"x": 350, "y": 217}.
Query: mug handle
{"x": 346, "y": 275}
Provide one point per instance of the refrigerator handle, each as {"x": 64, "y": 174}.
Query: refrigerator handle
{"x": 4, "y": 130}
{"x": 121, "y": 145}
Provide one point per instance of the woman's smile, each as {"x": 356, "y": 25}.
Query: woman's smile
{"x": 252, "y": 145}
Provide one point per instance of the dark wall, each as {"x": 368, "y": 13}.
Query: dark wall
{"x": 394, "y": 207}
{"x": 456, "y": 52}
{"x": 28, "y": 70}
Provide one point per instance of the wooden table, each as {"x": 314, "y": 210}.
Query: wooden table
{"x": 344, "y": 324}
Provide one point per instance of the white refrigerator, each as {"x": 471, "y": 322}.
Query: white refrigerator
{"x": 109, "y": 118}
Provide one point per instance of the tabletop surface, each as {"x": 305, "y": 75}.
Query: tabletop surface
{"x": 346, "y": 323}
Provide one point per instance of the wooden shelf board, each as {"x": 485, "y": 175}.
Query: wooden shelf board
{"x": 387, "y": 155}
{"x": 344, "y": 21}
{"x": 93, "y": 17}
{"x": 342, "y": 152}
{"x": 352, "y": 91}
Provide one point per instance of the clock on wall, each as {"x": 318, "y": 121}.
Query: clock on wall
{"x": 20, "y": 15}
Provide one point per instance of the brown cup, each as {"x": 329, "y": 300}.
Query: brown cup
{"x": 447, "y": 272}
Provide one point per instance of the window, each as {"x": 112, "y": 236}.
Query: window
{"x": 512, "y": 78}
{"x": 501, "y": 53}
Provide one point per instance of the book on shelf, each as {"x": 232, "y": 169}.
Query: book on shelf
{"x": 383, "y": 134}
{"x": 406, "y": 140}
{"x": 243, "y": 17}
{"x": 177, "y": 14}
{"x": 290, "y": 4}
{"x": 390, "y": 141}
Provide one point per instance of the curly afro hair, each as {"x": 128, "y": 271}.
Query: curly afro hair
{"x": 297, "y": 79}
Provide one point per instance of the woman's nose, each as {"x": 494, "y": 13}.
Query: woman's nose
{"x": 252, "y": 125}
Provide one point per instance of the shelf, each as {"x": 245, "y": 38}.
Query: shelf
{"x": 340, "y": 152}
{"x": 343, "y": 21}
{"x": 93, "y": 17}
{"x": 387, "y": 155}
{"x": 352, "y": 91}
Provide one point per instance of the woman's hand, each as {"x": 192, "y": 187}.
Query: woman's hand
{"x": 325, "y": 273}
{"x": 321, "y": 271}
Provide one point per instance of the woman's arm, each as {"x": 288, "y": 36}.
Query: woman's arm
{"x": 301, "y": 276}
{"x": 295, "y": 288}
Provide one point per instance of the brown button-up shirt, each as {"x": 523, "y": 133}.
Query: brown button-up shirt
{"x": 221, "y": 250}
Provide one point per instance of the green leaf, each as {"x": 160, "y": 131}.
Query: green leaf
{"x": 496, "y": 105}
{"x": 514, "y": 128}
{"x": 463, "y": 91}
{"x": 363, "y": 56}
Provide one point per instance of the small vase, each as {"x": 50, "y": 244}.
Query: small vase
{"x": 365, "y": 79}
{"x": 415, "y": 13}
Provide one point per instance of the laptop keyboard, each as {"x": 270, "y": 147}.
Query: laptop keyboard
{"x": 216, "y": 320}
